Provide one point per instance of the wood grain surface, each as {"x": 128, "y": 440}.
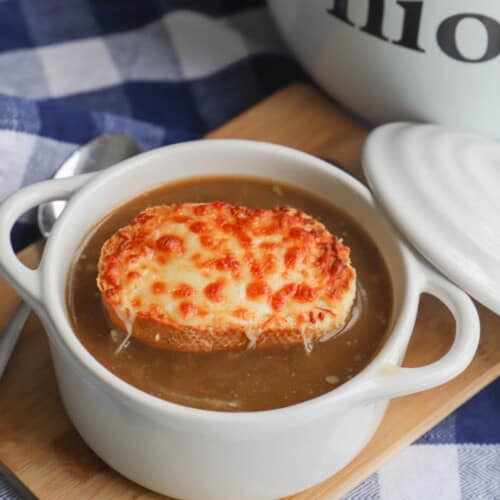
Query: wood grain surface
{"x": 37, "y": 440}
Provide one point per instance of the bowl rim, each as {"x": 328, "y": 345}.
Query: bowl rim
{"x": 356, "y": 389}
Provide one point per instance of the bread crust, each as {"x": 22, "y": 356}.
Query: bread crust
{"x": 213, "y": 276}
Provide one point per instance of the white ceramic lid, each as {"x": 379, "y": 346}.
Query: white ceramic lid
{"x": 442, "y": 189}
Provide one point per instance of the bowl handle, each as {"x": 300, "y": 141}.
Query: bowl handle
{"x": 24, "y": 280}
{"x": 393, "y": 380}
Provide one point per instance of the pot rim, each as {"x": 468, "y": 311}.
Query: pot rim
{"x": 351, "y": 392}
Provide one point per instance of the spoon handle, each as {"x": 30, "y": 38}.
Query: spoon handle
{"x": 11, "y": 333}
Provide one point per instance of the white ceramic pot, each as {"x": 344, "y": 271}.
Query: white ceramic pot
{"x": 198, "y": 454}
{"x": 427, "y": 61}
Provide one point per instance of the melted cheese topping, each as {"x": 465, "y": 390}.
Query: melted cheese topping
{"x": 219, "y": 266}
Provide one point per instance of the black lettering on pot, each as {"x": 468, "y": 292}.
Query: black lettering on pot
{"x": 339, "y": 10}
{"x": 411, "y": 26}
{"x": 373, "y": 24}
{"x": 447, "y": 37}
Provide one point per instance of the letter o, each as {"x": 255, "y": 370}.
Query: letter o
{"x": 446, "y": 37}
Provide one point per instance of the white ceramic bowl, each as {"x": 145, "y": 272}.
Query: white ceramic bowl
{"x": 198, "y": 454}
{"x": 424, "y": 61}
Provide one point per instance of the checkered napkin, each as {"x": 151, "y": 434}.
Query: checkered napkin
{"x": 170, "y": 71}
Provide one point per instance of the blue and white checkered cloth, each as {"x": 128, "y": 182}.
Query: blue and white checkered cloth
{"x": 169, "y": 71}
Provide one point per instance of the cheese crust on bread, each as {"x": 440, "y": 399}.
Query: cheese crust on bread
{"x": 204, "y": 277}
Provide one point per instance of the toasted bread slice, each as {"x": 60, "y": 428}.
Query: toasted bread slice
{"x": 214, "y": 276}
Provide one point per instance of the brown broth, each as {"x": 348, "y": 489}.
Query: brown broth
{"x": 236, "y": 381}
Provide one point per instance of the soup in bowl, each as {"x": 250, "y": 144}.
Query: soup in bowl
{"x": 229, "y": 424}
{"x": 238, "y": 376}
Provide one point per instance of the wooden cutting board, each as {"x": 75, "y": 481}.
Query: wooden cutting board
{"x": 38, "y": 442}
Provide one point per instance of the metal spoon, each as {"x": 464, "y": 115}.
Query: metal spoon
{"x": 97, "y": 154}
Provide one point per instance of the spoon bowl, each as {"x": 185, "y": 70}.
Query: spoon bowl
{"x": 100, "y": 153}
